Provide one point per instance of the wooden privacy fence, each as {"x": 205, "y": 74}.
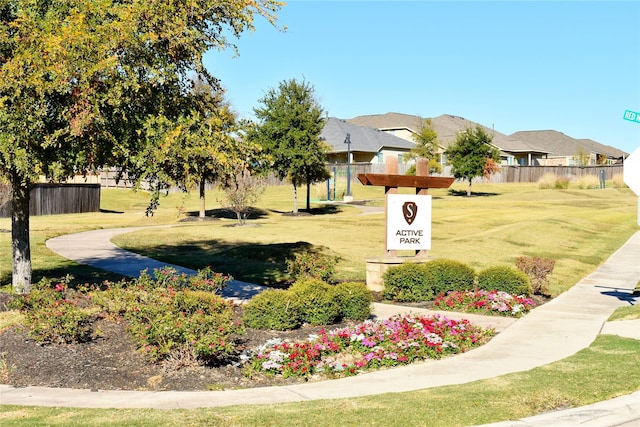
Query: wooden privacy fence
{"x": 535, "y": 173}
{"x": 52, "y": 199}
{"x": 506, "y": 174}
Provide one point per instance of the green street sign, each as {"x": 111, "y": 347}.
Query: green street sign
{"x": 632, "y": 116}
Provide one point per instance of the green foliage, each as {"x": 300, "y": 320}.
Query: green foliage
{"x": 310, "y": 301}
{"x": 54, "y": 314}
{"x": 101, "y": 83}
{"x": 168, "y": 277}
{"x": 447, "y": 275}
{"x": 470, "y": 154}
{"x": 538, "y": 270}
{"x": 290, "y": 121}
{"x": 163, "y": 320}
{"x": 434, "y": 167}
{"x": 504, "y": 278}
{"x": 311, "y": 264}
{"x": 317, "y": 301}
{"x": 426, "y": 143}
{"x": 272, "y": 309}
{"x": 407, "y": 282}
{"x": 354, "y": 300}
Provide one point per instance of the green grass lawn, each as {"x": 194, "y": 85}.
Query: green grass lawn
{"x": 577, "y": 228}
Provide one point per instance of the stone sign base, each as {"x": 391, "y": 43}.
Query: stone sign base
{"x": 377, "y": 266}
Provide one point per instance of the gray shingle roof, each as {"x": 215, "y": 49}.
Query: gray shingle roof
{"x": 606, "y": 150}
{"x": 363, "y": 138}
{"x": 557, "y": 143}
{"x": 446, "y": 126}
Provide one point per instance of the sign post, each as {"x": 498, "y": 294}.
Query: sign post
{"x": 407, "y": 217}
{"x": 631, "y": 175}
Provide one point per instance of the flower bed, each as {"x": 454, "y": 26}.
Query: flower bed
{"x": 485, "y": 302}
{"x": 346, "y": 351}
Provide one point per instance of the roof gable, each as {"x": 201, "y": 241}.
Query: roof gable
{"x": 363, "y": 138}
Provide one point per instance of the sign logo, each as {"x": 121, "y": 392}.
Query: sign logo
{"x": 410, "y": 211}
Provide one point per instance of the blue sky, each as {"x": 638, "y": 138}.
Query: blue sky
{"x": 571, "y": 66}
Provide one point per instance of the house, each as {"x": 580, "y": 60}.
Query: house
{"x": 447, "y": 127}
{"x": 567, "y": 151}
{"x": 367, "y": 144}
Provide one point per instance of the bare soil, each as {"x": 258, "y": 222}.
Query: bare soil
{"x": 111, "y": 362}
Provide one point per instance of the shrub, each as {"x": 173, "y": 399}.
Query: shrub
{"x": 506, "y": 279}
{"x": 547, "y": 181}
{"x": 354, "y": 300}
{"x": 272, "y": 309}
{"x": 446, "y": 275}
{"x": 53, "y": 313}
{"x": 317, "y": 301}
{"x": 537, "y": 269}
{"x": 588, "y": 182}
{"x": 164, "y": 321}
{"x": 562, "y": 183}
{"x": 618, "y": 181}
{"x": 407, "y": 282}
{"x": 168, "y": 277}
{"x": 311, "y": 264}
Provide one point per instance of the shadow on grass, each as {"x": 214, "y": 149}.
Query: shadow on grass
{"x": 321, "y": 210}
{"x": 254, "y": 213}
{"x": 463, "y": 193}
{"x": 262, "y": 264}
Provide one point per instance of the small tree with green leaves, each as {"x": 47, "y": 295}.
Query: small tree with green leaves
{"x": 289, "y": 126}
{"x": 426, "y": 145}
{"x": 471, "y": 154}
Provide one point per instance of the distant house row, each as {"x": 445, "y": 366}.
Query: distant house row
{"x": 374, "y": 137}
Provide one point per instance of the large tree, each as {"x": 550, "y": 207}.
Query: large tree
{"x": 83, "y": 81}
{"x": 289, "y": 126}
{"x": 204, "y": 144}
{"x": 473, "y": 155}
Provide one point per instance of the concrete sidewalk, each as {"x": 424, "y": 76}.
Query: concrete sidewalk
{"x": 549, "y": 333}
{"x": 94, "y": 248}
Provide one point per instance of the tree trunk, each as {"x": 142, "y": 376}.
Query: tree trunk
{"x": 295, "y": 199}
{"x": 469, "y": 188}
{"x": 202, "y": 201}
{"x": 308, "y": 197}
{"x": 20, "y": 246}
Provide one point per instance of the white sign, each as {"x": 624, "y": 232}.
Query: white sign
{"x": 408, "y": 222}
{"x": 631, "y": 171}
{"x": 631, "y": 174}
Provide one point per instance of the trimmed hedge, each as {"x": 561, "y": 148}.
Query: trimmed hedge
{"x": 308, "y": 301}
{"x": 504, "y": 278}
{"x": 446, "y": 275}
{"x": 316, "y": 301}
{"x": 354, "y": 300}
{"x": 272, "y": 309}
{"x": 407, "y": 282}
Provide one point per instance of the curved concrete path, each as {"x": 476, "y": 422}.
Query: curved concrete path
{"x": 549, "y": 333}
{"x": 94, "y": 248}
